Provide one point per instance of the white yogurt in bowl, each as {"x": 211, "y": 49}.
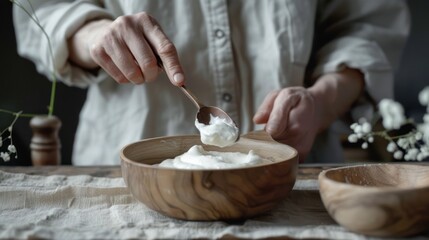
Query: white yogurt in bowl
{"x": 219, "y": 132}
{"x": 198, "y": 158}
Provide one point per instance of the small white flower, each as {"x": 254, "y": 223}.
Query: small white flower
{"x": 392, "y": 113}
{"x": 413, "y": 151}
{"x": 426, "y": 118}
{"x": 362, "y": 120}
{"x": 353, "y": 126}
{"x": 366, "y": 127}
{"x": 411, "y": 154}
{"x": 398, "y": 155}
{"x": 388, "y": 123}
{"x": 418, "y": 136}
{"x": 353, "y": 138}
{"x": 371, "y": 139}
{"x": 420, "y": 156}
{"x": 425, "y": 149}
{"x": 424, "y": 153}
{"x": 9, "y": 128}
{"x": 358, "y": 129}
{"x": 5, "y": 156}
{"x": 403, "y": 143}
{"x": 11, "y": 148}
{"x": 424, "y": 129}
{"x": 412, "y": 140}
{"x": 364, "y": 145}
{"x": 424, "y": 96}
{"x": 391, "y": 147}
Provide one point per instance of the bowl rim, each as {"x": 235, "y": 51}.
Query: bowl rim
{"x": 294, "y": 156}
{"x": 322, "y": 177}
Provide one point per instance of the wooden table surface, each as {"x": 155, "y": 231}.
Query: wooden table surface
{"x": 306, "y": 171}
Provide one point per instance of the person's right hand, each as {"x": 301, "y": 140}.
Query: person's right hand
{"x": 127, "y": 49}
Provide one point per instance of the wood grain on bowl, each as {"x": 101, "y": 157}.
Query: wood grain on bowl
{"x": 209, "y": 194}
{"x": 386, "y": 200}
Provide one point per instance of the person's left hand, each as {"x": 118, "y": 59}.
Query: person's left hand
{"x": 291, "y": 118}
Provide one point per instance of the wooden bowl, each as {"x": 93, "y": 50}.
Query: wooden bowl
{"x": 209, "y": 194}
{"x": 385, "y": 200}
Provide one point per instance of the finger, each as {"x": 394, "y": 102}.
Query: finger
{"x": 124, "y": 60}
{"x": 100, "y": 56}
{"x": 143, "y": 54}
{"x": 263, "y": 113}
{"x": 279, "y": 117}
{"x": 165, "y": 50}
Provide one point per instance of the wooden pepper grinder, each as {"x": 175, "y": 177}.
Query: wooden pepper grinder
{"x": 45, "y": 145}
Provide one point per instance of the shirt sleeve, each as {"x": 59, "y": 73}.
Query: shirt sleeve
{"x": 365, "y": 35}
{"x": 60, "y": 21}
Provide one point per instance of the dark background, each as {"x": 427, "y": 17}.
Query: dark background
{"x": 22, "y": 88}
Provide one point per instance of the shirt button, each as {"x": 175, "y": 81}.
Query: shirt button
{"x": 226, "y": 97}
{"x": 219, "y": 33}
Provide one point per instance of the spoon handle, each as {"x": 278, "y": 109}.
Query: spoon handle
{"x": 188, "y": 93}
{"x": 191, "y": 96}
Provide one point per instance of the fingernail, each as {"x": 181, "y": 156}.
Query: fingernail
{"x": 257, "y": 115}
{"x": 178, "y": 78}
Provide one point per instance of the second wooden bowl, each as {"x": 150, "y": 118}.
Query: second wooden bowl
{"x": 385, "y": 200}
{"x": 209, "y": 194}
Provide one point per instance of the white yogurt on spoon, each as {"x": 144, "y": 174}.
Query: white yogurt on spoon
{"x": 219, "y": 132}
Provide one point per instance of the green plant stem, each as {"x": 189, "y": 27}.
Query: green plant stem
{"x": 33, "y": 17}
{"x": 386, "y": 136}
{"x": 385, "y": 133}
{"x": 19, "y": 113}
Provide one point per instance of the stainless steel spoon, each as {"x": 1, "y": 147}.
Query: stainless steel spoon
{"x": 204, "y": 112}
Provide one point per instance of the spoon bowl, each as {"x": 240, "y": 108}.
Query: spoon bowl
{"x": 204, "y": 112}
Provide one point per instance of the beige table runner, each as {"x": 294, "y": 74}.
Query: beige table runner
{"x": 85, "y": 207}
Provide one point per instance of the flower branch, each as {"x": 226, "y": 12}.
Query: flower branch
{"x": 411, "y": 145}
{"x": 11, "y": 149}
{"x": 6, "y": 134}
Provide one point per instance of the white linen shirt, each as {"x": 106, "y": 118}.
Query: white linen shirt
{"x": 233, "y": 54}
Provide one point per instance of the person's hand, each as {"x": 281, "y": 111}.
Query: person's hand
{"x": 127, "y": 49}
{"x": 290, "y": 117}
{"x": 295, "y": 115}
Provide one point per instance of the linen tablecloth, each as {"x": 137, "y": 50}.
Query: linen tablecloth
{"x": 85, "y": 207}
